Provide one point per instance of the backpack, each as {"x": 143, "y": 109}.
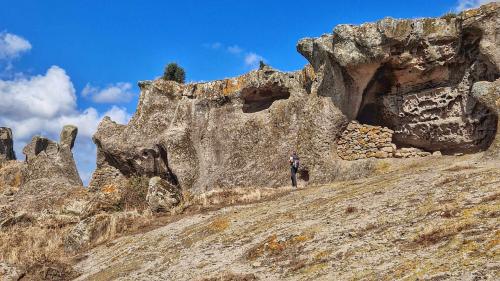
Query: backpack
{"x": 296, "y": 162}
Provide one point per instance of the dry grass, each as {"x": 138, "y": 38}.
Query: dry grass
{"x": 230, "y": 276}
{"x": 436, "y": 234}
{"x": 286, "y": 248}
{"x": 39, "y": 251}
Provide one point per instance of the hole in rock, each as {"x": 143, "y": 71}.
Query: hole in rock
{"x": 428, "y": 110}
{"x": 258, "y": 99}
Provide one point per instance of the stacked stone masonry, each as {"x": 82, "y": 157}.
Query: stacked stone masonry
{"x": 360, "y": 141}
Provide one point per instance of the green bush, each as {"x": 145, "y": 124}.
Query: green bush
{"x": 174, "y": 72}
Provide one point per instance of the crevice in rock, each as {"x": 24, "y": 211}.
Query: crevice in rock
{"x": 256, "y": 99}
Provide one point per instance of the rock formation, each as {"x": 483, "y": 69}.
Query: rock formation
{"x": 50, "y": 163}
{"x": 162, "y": 196}
{"x": 6, "y": 145}
{"x": 226, "y": 133}
{"x": 413, "y": 76}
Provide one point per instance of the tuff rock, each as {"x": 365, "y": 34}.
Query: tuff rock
{"x": 225, "y": 133}
{"x": 413, "y": 76}
{"x": 6, "y": 145}
{"x": 392, "y": 91}
{"x": 162, "y": 196}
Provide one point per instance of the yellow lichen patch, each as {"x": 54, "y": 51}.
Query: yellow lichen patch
{"x": 218, "y": 225}
{"x": 273, "y": 247}
{"x": 16, "y": 182}
{"x": 110, "y": 188}
{"x": 231, "y": 86}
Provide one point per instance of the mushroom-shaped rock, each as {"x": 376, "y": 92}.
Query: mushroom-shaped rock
{"x": 68, "y": 136}
{"x": 162, "y": 196}
{"x": 6, "y": 145}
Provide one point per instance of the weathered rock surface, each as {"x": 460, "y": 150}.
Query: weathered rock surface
{"x": 47, "y": 175}
{"x": 68, "y": 136}
{"x": 489, "y": 94}
{"x": 162, "y": 196}
{"x": 226, "y": 133}
{"x": 413, "y": 76}
{"x": 6, "y": 145}
{"x": 434, "y": 218}
{"x": 51, "y": 164}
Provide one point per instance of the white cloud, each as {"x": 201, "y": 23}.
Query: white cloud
{"x": 117, "y": 93}
{"x": 252, "y": 59}
{"x": 41, "y": 96}
{"x": 43, "y": 104}
{"x": 234, "y": 49}
{"x": 11, "y": 45}
{"x": 470, "y": 4}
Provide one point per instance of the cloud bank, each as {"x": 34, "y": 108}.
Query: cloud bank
{"x": 42, "y": 104}
{"x": 120, "y": 92}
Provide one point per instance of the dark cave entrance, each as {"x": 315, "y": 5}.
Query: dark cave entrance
{"x": 258, "y": 99}
{"x": 427, "y": 112}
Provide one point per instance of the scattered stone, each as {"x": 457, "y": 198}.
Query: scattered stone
{"x": 437, "y": 153}
{"x": 162, "y": 196}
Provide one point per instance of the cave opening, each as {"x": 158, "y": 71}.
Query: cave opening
{"x": 428, "y": 110}
{"x": 258, "y": 99}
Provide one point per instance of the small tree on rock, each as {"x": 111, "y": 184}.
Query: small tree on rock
{"x": 174, "y": 72}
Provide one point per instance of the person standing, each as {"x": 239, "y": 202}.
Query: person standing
{"x": 294, "y": 167}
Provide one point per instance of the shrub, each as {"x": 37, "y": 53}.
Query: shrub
{"x": 174, "y": 72}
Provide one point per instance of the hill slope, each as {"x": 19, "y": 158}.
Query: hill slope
{"x": 431, "y": 219}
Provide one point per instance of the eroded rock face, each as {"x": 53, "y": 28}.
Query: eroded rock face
{"x": 413, "y": 76}
{"x": 162, "y": 196}
{"x": 226, "y": 133}
{"x": 6, "y": 145}
{"x": 51, "y": 164}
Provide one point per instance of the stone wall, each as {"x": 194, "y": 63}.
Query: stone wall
{"x": 360, "y": 141}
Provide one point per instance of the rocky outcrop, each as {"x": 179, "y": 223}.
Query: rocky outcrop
{"x": 226, "y": 133}
{"x": 162, "y": 196}
{"x": 413, "y": 76}
{"x": 6, "y": 145}
{"x": 488, "y": 93}
{"x": 51, "y": 164}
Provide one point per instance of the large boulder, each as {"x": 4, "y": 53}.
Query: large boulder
{"x": 413, "y": 76}
{"x": 6, "y": 145}
{"x": 51, "y": 164}
{"x": 162, "y": 195}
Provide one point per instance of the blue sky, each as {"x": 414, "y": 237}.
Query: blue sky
{"x": 76, "y": 61}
